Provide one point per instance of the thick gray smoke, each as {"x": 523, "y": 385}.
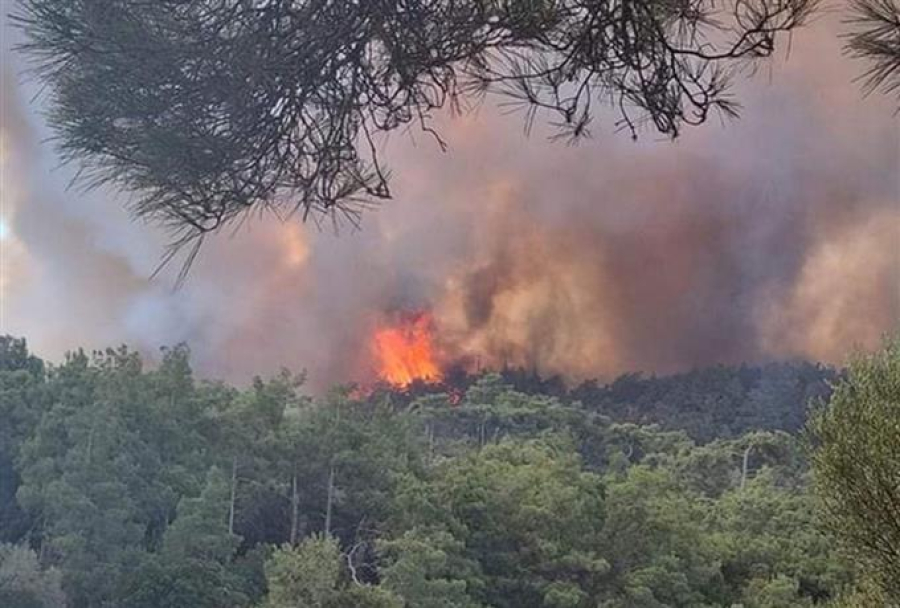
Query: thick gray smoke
{"x": 774, "y": 236}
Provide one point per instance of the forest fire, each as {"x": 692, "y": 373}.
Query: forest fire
{"x": 404, "y": 352}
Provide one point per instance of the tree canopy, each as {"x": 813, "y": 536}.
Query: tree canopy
{"x": 143, "y": 487}
{"x": 856, "y": 461}
{"x": 211, "y": 110}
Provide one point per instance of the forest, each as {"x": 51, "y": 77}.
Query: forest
{"x": 130, "y": 480}
{"x": 134, "y": 486}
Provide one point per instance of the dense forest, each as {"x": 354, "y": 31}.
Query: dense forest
{"x": 130, "y": 487}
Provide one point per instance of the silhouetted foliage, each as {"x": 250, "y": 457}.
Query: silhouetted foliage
{"x": 211, "y": 110}
{"x": 875, "y": 38}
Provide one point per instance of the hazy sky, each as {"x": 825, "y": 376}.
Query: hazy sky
{"x": 774, "y": 236}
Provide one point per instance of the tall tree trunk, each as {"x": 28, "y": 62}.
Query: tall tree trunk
{"x": 233, "y": 495}
{"x": 90, "y": 445}
{"x": 330, "y": 501}
{"x": 745, "y": 466}
{"x": 295, "y": 509}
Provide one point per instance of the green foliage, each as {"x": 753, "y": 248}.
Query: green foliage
{"x": 24, "y": 584}
{"x": 14, "y": 356}
{"x": 778, "y": 592}
{"x": 160, "y": 583}
{"x": 525, "y": 512}
{"x": 311, "y": 576}
{"x": 865, "y": 594}
{"x": 855, "y": 445}
{"x": 148, "y": 489}
{"x": 714, "y": 403}
{"x": 22, "y": 402}
{"x": 365, "y": 596}
{"x": 660, "y": 550}
{"x": 200, "y": 530}
{"x": 304, "y": 576}
{"x": 428, "y": 569}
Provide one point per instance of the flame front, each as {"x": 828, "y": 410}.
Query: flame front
{"x": 405, "y": 351}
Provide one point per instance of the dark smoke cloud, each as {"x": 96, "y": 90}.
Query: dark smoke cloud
{"x": 774, "y": 236}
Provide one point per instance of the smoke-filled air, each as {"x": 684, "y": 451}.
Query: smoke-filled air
{"x": 772, "y": 236}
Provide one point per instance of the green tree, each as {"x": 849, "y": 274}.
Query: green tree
{"x": 855, "y": 442}
{"x": 253, "y": 431}
{"x": 311, "y": 575}
{"x": 195, "y": 565}
{"x": 767, "y": 537}
{"x": 200, "y": 530}
{"x": 351, "y": 454}
{"x": 14, "y": 356}
{"x": 78, "y": 471}
{"x": 24, "y": 584}
{"x": 23, "y": 400}
{"x": 777, "y": 592}
{"x": 659, "y": 550}
{"x": 137, "y": 487}
{"x": 527, "y": 514}
{"x": 865, "y": 594}
{"x": 428, "y": 569}
{"x": 109, "y": 460}
{"x": 305, "y": 576}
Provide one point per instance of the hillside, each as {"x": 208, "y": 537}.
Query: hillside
{"x": 147, "y": 488}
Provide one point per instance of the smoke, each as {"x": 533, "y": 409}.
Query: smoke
{"x": 777, "y": 235}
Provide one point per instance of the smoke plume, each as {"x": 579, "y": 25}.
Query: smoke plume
{"x": 774, "y": 236}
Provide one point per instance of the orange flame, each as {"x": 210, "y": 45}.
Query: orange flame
{"x": 405, "y": 352}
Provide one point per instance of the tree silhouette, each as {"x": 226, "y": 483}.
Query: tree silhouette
{"x": 875, "y": 37}
{"x": 211, "y": 110}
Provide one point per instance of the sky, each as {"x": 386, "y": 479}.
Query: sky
{"x": 775, "y": 236}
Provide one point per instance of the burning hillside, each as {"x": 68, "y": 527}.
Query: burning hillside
{"x": 773, "y": 238}
{"x": 404, "y": 351}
